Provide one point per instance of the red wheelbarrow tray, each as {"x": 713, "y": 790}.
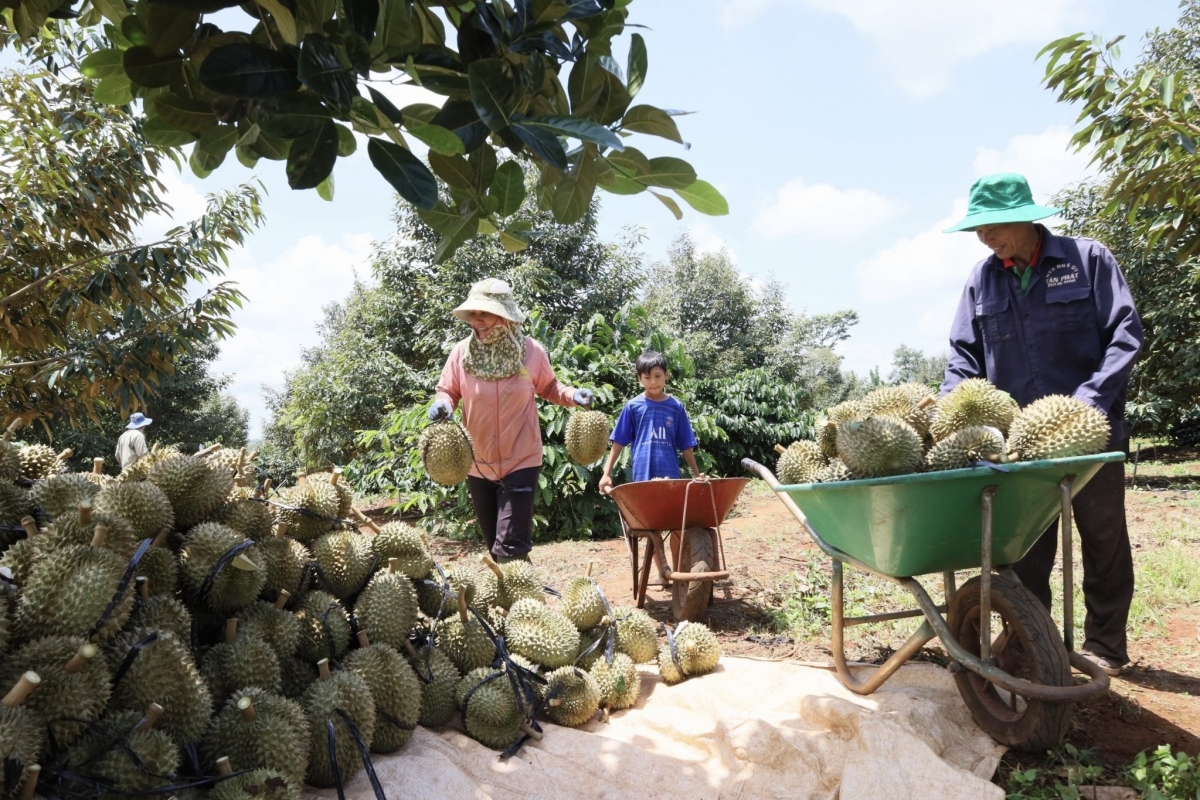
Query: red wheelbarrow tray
{"x": 659, "y": 505}
{"x": 931, "y": 522}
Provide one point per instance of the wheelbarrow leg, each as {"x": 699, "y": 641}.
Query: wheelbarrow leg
{"x": 633, "y": 556}
{"x": 647, "y": 561}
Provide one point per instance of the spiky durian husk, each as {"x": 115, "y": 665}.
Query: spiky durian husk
{"x": 835, "y": 471}
{"x": 403, "y": 542}
{"x": 295, "y": 675}
{"x": 896, "y": 403}
{"x": 14, "y": 504}
{"x": 636, "y": 634}
{"x": 520, "y": 582}
{"x": 965, "y": 448}
{"x": 800, "y": 463}
{"x": 588, "y": 655}
{"x": 249, "y": 517}
{"x": 917, "y": 392}
{"x": 10, "y": 461}
{"x": 163, "y": 672}
{"x": 121, "y": 538}
{"x": 66, "y": 701}
{"x": 233, "y": 588}
{"x": 344, "y": 562}
{"x": 670, "y": 670}
{"x": 826, "y": 428}
{"x": 38, "y": 461}
{"x": 283, "y": 565}
{"x": 260, "y": 784}
{"x": 138, "y": 470}
{"x": 396, "y": 691}
{"x": 491, "y": 714}
{"x": 163, "y": 613}
{"x": 441, "y": 600}
{"x": 446, "y": 452}
{"x": 467, "y": 644}
{"x": 346, "y": 691}
{"x": 324, "y": 627}
{"x": 143, "y": 504}
{"x": 20, "y": 558}
{"x": 57, "y": 495}
{"x": 345, "y": 494}
{"x": 699, "y": 648}
{"x": 387, "y": 608}
{"x": 1058, "y": 427}
{"x": 879, "y": 446}
{"x": 579, "y": 695}
{"x": 620, "y": 682}
{"x": 582, "y": 603}
{"x": 131, "y": 760}
{"x": 307, "y": 509}
{"x": 160, "y": 566}
{"x": 541, "y": 634}
{"x": 439, "y": 680}
{"x": 195, "y": 488}
{"x": 275, "y": 626}
{"x": 245, "y": 663}
{"x": 67, "y": 592}
{"x": 973, "y": 403}
{"x": 587, "y": 436}
{"x": 22, "y": 741}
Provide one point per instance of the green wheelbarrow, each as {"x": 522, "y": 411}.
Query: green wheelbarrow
{"x": 1017, "y": 684}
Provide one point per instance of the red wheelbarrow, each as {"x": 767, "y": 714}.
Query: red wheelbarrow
{"x": 693, "y": 510}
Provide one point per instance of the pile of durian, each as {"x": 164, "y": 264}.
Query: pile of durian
{"x": 178, "y": 630}
{"x": 897, "y": 430}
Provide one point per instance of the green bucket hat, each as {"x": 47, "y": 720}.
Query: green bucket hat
{"x": 996, "y": 199}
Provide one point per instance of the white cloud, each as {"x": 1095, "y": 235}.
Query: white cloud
{"x": 284, "y": 302}
{"x": 918, "y": 43}
{"x": 823, "y": 210}
{"x": 706, "y": 240}
{"x": 1047, "y": 159}
{"x": 186, "y": 202}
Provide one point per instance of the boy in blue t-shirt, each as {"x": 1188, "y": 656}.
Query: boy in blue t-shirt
{"x": 655, "y": 424}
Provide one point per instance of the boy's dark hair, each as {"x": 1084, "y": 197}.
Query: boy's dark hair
{"x": 648, "y": 360}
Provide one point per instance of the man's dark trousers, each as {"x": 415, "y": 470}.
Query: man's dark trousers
{"x": 1099, "y": 516}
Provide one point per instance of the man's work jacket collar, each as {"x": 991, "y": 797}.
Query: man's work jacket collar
{"x": 1049, "y": 247}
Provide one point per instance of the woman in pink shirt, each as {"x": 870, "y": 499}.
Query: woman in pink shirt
{"x": 495, "y": 372}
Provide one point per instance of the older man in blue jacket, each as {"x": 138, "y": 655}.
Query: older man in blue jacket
{"x": 1044, "y": 315}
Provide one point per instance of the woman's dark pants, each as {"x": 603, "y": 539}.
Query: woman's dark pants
{"x": 504, "y": 511}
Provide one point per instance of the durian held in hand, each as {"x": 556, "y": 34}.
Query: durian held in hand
{"x": 897, "y": 430}
{"x": 447, "y": 452}
{"x": 587, "y": 436}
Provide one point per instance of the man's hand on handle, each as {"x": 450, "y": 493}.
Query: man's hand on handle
{"x": 440, "y": 410}
{"x": 583, "y": 397}
{"x": 606, "y": 484}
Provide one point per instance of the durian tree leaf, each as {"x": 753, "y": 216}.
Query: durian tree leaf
{"x": 246, "y": 157}
{"x": 704, "y": 197}
{"x": 651, "y": 120}
{"x": 573, "y": 196}
{"x": 669, "y": 173}
{"x": 113, "y": 10}
{"x": 493, "y": 91}
{"x": 321, "y": 70}
{"x": 103, "y": 64}
{"x": 197, "y": 162}
{"x": 514, "y": 241}
{"x": 312, "y": 156}
{"x": 454, "y": 170}
{"x": 411, "y": 179}
{"x": 440, "y": 218}
{"x": 133, "y": 30}
{"x": 249, "y": 71}
{"x": 284, "y": 21}
{"x": 394, "y": 115}
{"x": 631, "y": 162}
{"x": 362, "y": 16}
{"x": 454, "y": 238}
{"x": 622, "y": 185}
{"x": 484, "y": 162}
{"x": 461, "y": 117}
{"x": 114, "y": 91}
{"x": 396, "y": 30}
{"x": 147, "y": 69}
{"x": 544, "y": 144}
{"x": 347, "y": 144}
{"x": 184, "y": 113}
{"x": 508, "y": 188}
{"x": 291, "y": 115}
{"x": 582, "y": 129}
{"x": 638, "y": 62}
{"x": 197, "y": 6}
{"x": 368, "y": 117}
{"x": 325, "y": 189}
{"x": 113, "y": 32}
{"x": 420, "y": 112}
{"x": 271, "y": 147}
{"x": 163, "y": 135}
{"x": 169, "y": 29}
{"x": 669, "y": 203}
{"x": 209, "y": 153}
{"x": 438, "y": 139}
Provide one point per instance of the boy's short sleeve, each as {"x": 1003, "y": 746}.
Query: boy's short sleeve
{"x": 685, "y": 438}
{"x": 623, "y": 431}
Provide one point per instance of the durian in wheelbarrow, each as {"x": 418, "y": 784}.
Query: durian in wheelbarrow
{"x": 256, "y": 729}
{"x": 879, "y": 446}
{"x": 973, "y": 403}
{"x": 799, "y": 462}
{"x": 835, "y": 471}
{"x": 965, "y": 448}
{"x": 541, "y": 634}
{"x": 827, "y": 426}
{"x": 395, "y": 688}
{"x": 899, "y": 403}
{"x": 446, "y": 452}
{"x": 332, "y": 698}
{"x": 587, "y": 436}
{"x": 696, "y": 652}
{"x": 1058, "y": 427}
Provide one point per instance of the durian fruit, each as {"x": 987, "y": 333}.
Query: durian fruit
{"x": 588, "y": 655}
{"x": 22, "y": 734}
{"x": 20, "y": 558}
{"x": 582, "y": 603}
{"x": 193, "y": 486}
{"x": 324, "y": 627}
{"x": 403, "y": 542}
{"x": 827, "y": 426}
{"x": 835, "y": 471}
{"x": 447, "y": 452}
{"x": 800, "y": 462}
{"x": 1058, "y": 427}
{"x": 541, "y": 634}
{"x": 38, "y": 461}
{"x": 587, "y": 436}
{"x": 972, "y": 403}
{"x": 464, "y": 639}
{"x": 162, "y": 672}
{"x": 238, "y": 463}
{"x": 74, "y": 688}
{"x": 669, "y": 668}
{"x": 346, "y": 692}
{"x": 620, "y": 683}
{"x": 256, "y": 729}
{"x": 636, "y": 634}
{"x": 68, "y": 591}
{"x": 919, "y": 393}
{"x": 248, "y": 516}
{"x": 143, "y": 504}
{"x": 79, "y": 527}
{"x": 240, "y": 662}
{"x": 308, "y": 509}
{"x": 503, "y": 585}
{"x": 437, "y": 601}
{"x": 395, "y": 688}
{"x": 161, "y": 613}
{"x": 898, "y": 403}
{"x": 10, "y": 454}
{"x": 128, "y": 752}
{"x": 270, "y": 622}
{"x": 296, "y": 674}
{"x": 698, "y": 651}
{"x": 283, "y": 561}
{"x": 388, "y": 606}
{"x": 138, "y": 470}
{"x": 574, "y": 696}
{"x": 260, "y": 784}
{"x": 345, "y": 494}
{"x": 14, "y": 504}
{"x": 239, "y": 580}
{"x": 439, "y": 680}
{"x": 97, "y": 475}
{"x": 879, "y": 446}
{"x": 964, "y": 448}
{"x": 344, "y": 562}
{"x": 491, "y": 714}
{"x": 160, "y": 567}
{"x": 61, "y": 494}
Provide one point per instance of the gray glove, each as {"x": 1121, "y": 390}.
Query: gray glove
{"x": 583, "y": 397}
{"x": 440, "y": 410}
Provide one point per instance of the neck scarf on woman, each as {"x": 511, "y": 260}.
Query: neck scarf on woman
{"x": 500, "y": 354}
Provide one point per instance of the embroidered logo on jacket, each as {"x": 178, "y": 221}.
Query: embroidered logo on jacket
{"x": 1063, "y": 274}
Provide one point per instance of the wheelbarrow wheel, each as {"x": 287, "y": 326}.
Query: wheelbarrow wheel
{"x": 690, "y": 600}
{"x": 1026, "y": 645}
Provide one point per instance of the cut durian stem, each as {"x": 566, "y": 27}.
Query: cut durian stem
{"x": 408, "y": 648}
{"x": 364, "y": 519}
{"x": 554, "y": 702}
{"x": 284, "y": 596}
{"x": 12, "y": 428}
{"x": 780, "y": 449}
{"x": 591, "y": 564}
{"x": 100, "y": 536}
{"x": 492, "y": 565}
{"x": 161, "y": 539}
{"x": 926, "y": 402}
{"x": 241, "y": 459}
{"x": 65, "y": 454}
{"x": 301, "y": 479}
{"x": 32, "y": 772}
{"x": 223, "y": 766}
{"x": 20, "y": 692}
{"x": 267, "y": 484}
{"x": 30, "y": 526}
{"x": 86, "y": 653}
{"x": 281, "y": 530}
{"x": 393, "y": 565}
{"x": 231, "y": 626}
{"x": 323, "y": 669}
{"x": 246, "y": 706}
{"x": 150, "y": 718}
{"x": 85, "y": 512}
{"x": 462, "y": 604}
{"x": 604, "y": 714}
{"x": 363, "y": 640}
{"x": 336, "y": 476}
{"x": 208, "y": 451}
{"x": 143, "y": 585}
{"x": 97, "y": 466}
{"x": 528, "y": 730}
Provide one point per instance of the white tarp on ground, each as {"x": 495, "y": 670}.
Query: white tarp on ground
{"x": 752, "y": 729}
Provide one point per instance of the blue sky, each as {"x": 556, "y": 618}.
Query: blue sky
{"x": 844, "y": 133}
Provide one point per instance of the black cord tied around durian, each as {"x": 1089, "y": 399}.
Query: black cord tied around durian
{"x": 122, "y": 587}
{"x": 229, "y": 555}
